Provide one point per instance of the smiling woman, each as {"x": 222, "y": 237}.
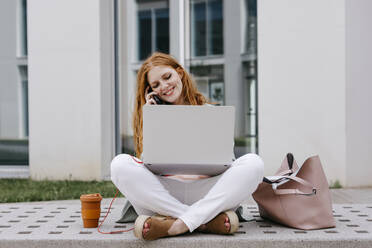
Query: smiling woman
{"x": 166, "y": 83}
{"x": 169, "y": 81}
{"x": 189, "y": 202}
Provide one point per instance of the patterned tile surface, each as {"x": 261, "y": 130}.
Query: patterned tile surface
{"x": 58, "y": 222}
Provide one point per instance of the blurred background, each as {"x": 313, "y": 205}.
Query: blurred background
{"x": 297, "y": 73}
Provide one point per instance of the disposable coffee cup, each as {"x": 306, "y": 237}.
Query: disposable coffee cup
{"x": 90, "y": 209}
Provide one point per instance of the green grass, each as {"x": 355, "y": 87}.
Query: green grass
{"x": 335, "y": 185}
{"x": 26, "y": 190}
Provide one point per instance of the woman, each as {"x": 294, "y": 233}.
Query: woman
{"x": 185, "y": 202}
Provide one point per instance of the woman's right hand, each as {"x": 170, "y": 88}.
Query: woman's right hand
{"x": 148, "y": 96}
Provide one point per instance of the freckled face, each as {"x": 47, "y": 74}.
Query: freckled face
{"x": 166, "y": 82}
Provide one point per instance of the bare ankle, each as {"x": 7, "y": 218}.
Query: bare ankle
{"x": 201, "y": 227}
{"x": 178, "y": 227}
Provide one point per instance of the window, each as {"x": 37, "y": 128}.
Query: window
{"x": 144, "y": 31}
{"x": 206, "y": 37}
{"x": 225, "y": 71}
{"x": 13, "y": 84}
{"x": 23, "y": 25}
{"x": 209, "y": 80}
{"x": 206, "y": 27}
{"x": 153, "y": 31}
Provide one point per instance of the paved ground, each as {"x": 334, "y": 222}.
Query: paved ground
{"x": 59, "y": 224}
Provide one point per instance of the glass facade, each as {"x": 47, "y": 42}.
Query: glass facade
{"x": 153, "y": 29}
{"x": 206, "y": 38}
{"x": 151, "y": 32}
{"x": 145, "y": 33}
{"x": 210, "y": 82}
{"x": 199, "y": 29}
{"x": 215, "y": 67}
{"x": 223, "y": 63}
{"x": 14, "y": 84}
{"x": 206, "y": 27}
{"x": 162, "y": 30}
{"x": 23, "y": 29}
{"x": 215, "y": 27}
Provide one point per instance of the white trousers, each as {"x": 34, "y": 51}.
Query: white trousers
{"x": 195, "y": 202}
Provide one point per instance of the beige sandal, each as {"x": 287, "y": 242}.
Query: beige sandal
{"x": 159, "y": 226}
{"x": 217, "y": 225}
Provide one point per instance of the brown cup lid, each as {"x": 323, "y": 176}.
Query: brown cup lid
{"x": 91, "y": 197}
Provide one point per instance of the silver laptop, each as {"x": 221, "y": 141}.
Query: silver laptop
{"x": 184, "y": 139}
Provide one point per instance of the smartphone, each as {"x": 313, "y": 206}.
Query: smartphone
{"x": 156, "y": 98}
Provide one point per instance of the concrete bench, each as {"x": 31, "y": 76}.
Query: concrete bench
{"x": 59, "y": 224}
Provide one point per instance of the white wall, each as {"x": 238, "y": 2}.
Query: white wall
{"x": 70, "y": 89}
{"x": 301, "y": 83}
{"x": 358, "y": 92}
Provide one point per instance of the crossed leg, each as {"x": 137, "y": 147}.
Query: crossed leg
{"x": 193, "y": 203}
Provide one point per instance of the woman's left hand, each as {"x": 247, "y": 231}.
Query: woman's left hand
{"x": 148, "y": 96}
